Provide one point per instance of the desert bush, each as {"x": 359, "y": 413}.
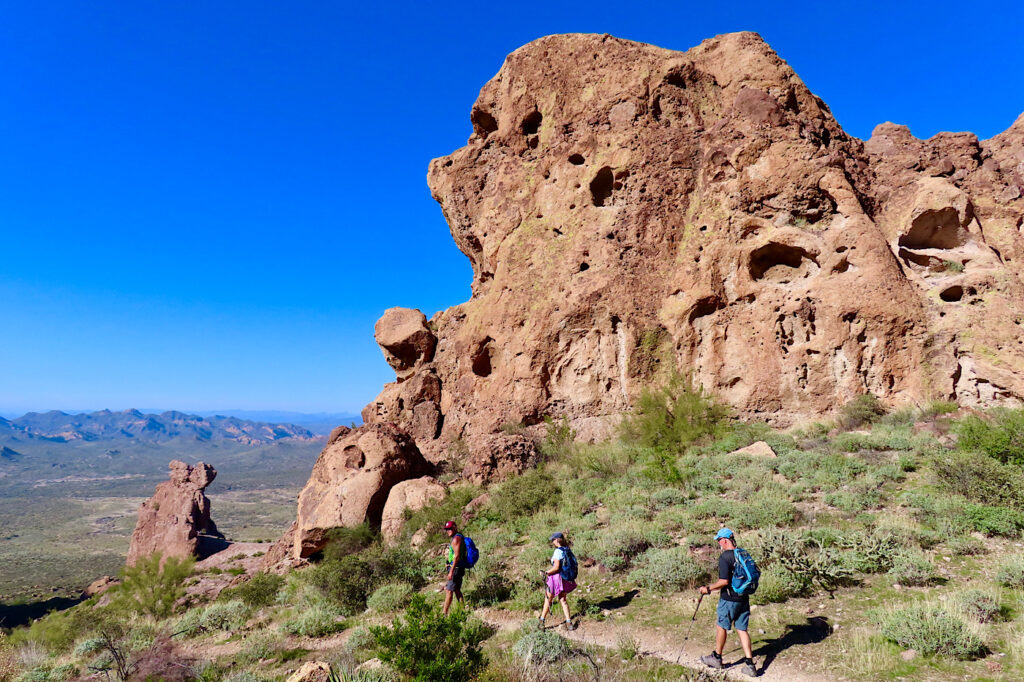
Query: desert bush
{"x": 980, "y": 479}
{"x": 317, "y": 621}
{"x": 57, "y": 631}
{"x": 765, "y": 508}
{"x": 1000, "y": 434}
{"x": 864, "y": 409}
{"x": 49, "y": 672}
{"x": 932, "y": 630}
{"x": 979, "y": 606}
{"x": 667, "y": 497}
{"x": 491, "y": 589}
{"x": 777, "y": 585}
{"x": 992, "y": 521}
{"x": 667, "y": 570}
{"x": 164, "y": 661}
{"x": 390, "y": 597}
{"x": 674, "y": 416}
{"x": 88, "y": 647}
{"x": 260, "y": 646}
{"x": 965, "y": 545}
{"x": 346, "y": 541}
{"x": 1011, "y": 573}
{"x": 147, "y": 587}
{"x": 9, "y": 664}
{"x": 433, "y": 516}
{"x": 258, "y": 591}
{"x": 426, "y": 645}
{"x": 627, "y": 647}
{"x": 536, "y": 645}
{"x": 347, "y": 581}
{"x": 559, "y": 438}
{"x": 524, "y": 495}
{"x": 617, "y": 548}
{"x": 873, "y": 552}
{"x": 226, "y": 616}
{"x": 807, "y": 560}
{"x": 912, "y": 569}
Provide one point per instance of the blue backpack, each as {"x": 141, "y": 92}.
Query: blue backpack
{"x": 745, "y": 573}
{"x": 568, "y": 568}
{"x": 470, "y": 554}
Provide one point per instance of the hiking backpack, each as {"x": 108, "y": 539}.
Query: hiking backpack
{"x": 745, "y": 573}
{"x": 568, "y": 569}
{"x": 470, "y": 554}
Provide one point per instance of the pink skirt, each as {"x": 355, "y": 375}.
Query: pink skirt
{"x": 559, "y": 587}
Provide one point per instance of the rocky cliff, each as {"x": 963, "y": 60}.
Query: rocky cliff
{"x": 630, "y": 210}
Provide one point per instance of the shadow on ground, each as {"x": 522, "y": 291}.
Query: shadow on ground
{"x": 13, "y": 615}
{"x": 611, "y": 603}
{"x": 813, "y": 631}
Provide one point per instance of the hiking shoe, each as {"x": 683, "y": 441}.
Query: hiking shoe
{"x": 712, "y": 661}
{"x": 749, "y": 670}
{"x": 541, "y": 621}
{"x": 569, "y": 625}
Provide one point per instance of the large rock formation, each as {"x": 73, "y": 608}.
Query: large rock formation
{"x": 170, "y": 522}
{"x": 350, "y": 483}
{"x": 629, "y": 210}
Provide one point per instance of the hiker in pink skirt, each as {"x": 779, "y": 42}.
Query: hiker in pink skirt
{"x": 560, "y": 578}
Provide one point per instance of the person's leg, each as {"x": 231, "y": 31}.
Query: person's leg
{"x": 564, "y": 600}
{"x": 547, "y": 605}
{"x": 447, "y": 601}
{"x": 748, "y": 651}
{"x": 458, "y": 595}
{"x": 721, "y": 635}
{"x": 742, "y": 622}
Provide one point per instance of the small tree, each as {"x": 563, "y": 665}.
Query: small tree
{"x": 430, "y": 646}
{"x": 147, "y": 587}
{"x": 674, "y": 416}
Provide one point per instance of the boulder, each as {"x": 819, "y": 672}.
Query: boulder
{"x": 758, "y": 449}
{"x": 171, "y": 521}
{"x": 99, "y": 586}
{"x": 475, "y": 505}
{"x": 312, "y": 671}
{"x": 406, "y": 340}
{"x": 412, "y": 495}
{"x": 351, "y": 481}
{"x": 496, "y": 456}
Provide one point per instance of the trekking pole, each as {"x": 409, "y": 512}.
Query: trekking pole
{"x": 690, "y": 629}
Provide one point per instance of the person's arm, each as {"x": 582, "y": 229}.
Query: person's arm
{"x": 456, "y": 554}
{"x": 724, "y": 571}
{"x": 556, "y": 566}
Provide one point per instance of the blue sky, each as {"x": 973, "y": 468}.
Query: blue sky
{"x": 207, "y": 205}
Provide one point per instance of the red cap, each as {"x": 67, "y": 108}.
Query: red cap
{"x": 450, "y": 525}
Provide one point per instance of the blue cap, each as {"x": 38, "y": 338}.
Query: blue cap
{"x": 724, "y": 533}
{"x": 555, "y": 536}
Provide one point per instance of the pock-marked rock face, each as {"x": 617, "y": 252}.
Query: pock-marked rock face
{"x": 351, "y": 481}
{"x": 170, "y": 522}
{"x": 629, "y": 210}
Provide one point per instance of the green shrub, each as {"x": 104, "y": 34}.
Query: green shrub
{"x": 559, "y": 439}
{"x": 864, "y": 409}
{"x": 980, "y": 479}
{"x": 524, "y": 495}
{"x": 490, "y": 590}
{"x": 808, "y": 561}
{"x": 994, "y": 520}
{"x": 317, "y": 621}
{"x": 1011, "y": 573}
{"x": 347, "y": 581}
{"x": 672, "y": 417}
{"x": 777, "y": 585}
{"x": 59, "y": 630}
{"x": 390, "y": 597}
{"x": 88, "y": 647}
{"x": 618, "y": 548}
{"x": 49, "y": 672}
{"x": 227, "y": 616}
{"x": 426, "y": 645}
{"x": 912, "y": 569}
{"x": 343, "y": 541}
{"x": 536, "y": 645}
{"x": 765, "y": 508}
{"x": 667, "y": 497}
{"x": 668, "y": 570}
{"x": 873, "y": 552}
{"x": 931, "y": 630}
{"x": 433, "y": 516}
{"x": 147, "y": 587}
{"x": 979, "y": 606}
{"x": 999, "y": 435}
{"x": 259, "y": 591}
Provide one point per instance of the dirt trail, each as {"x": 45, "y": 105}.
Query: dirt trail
{"x": 656, "y": 644}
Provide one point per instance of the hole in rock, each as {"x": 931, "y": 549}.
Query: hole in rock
{"x": 483, "y": 123}
{"x": 703, "y": 228}
{"x": 610, "y": 235}
{"x": 482, "y": 358}
{"x": 841, "y": 266}
{"x": 576, "y": 159}
{"x": 935, "y": 229}
{"x": 601, "y": 186}
{"x": 584, "y": 267}
{"x": 557, "y": 232}
{"x": 533, "y": 141}
{"x": 705, "y": 306}
{"x": 531, "y": 124}
{"x": 840, "y": 249}
{"x": 781, "y": 263}
{"x": 572, "y": 206}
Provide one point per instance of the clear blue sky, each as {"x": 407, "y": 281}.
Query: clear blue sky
{"x": 207, "y": 205}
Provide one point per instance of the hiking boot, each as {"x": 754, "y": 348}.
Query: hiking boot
{"x": 569, "y": 625}
{"x": 541, "y": 621}
{"x": 712, "y": 660}
{"x": 749, "y": 670}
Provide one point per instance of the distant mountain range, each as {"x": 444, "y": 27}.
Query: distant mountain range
{"x": 136, "y": 426}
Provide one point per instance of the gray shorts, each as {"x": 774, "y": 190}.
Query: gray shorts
{"x": 455, "y": 584}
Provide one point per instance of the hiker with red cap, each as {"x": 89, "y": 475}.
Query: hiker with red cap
{"x": 455, "y": 559}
